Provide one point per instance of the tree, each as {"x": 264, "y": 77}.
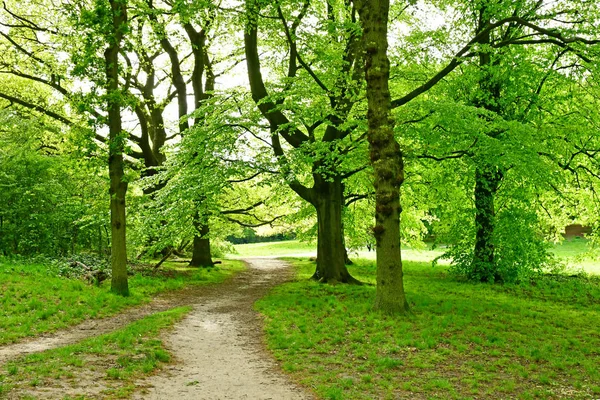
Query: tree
{"x": 318, "y": 130}
{"x": 386, "y": 158}
{"x": 116, "y": 144}
{"x": 504, "y": 92}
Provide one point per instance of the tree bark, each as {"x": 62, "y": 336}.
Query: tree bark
{"x": 486, "y": 185}
{"x": 328, "y": 201}
{"x": 118, "y": 186}
{"x": 386, "y": 158}
{"x": 201, "y": 256}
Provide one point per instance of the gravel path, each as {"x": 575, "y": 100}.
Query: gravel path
{"x": 219, "y": 349}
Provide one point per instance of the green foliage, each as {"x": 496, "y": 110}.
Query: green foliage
{"x": 521, "y": 252}
{"x": 462, "y": 341}
{"x": 49, "y": 196}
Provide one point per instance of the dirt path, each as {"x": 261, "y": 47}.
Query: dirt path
{"x": 97, "y": 327}
{"x": 219, "y": 349}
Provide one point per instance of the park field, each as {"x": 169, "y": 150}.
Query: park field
{"x": 538, "y": 340}
{"x": 577, "y": 254}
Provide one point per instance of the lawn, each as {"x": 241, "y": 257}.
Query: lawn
{"x": 283, "y": 248}
{"x": 114, "y": 361}
{"x": 579, "y": 253}
{"x": 463, "y": 341}
{"x": 35, "y": 300}
{"x": 576, "y": 253}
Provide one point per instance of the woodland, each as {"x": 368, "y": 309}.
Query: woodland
{"x": 133, "y": 132}
{"x": 139, "y": 128}
{"x": 195, "y": 118}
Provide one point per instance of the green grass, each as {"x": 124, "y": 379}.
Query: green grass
{"x": 33, "y": 300}
{"x": 113, "y": 360}
{"x": 577, "y": 253}
{"x": 274, "y": 248}
{"x": 463, "y": 341}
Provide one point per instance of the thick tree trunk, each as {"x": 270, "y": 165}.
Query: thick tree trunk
{"x": 118, "y": 186}
{"x": 331, "y": 266}
{"x": 201, "y": 256}
{"x": 386, "y": 158}
{"x": 486, "y": 186}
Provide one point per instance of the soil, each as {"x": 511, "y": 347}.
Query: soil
{"x": 218, "y": 348}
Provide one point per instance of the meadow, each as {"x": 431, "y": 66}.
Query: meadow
{"x": 577, "y": 254}
{"x": 533, "y": 340}
{"x": 538, "y": 340}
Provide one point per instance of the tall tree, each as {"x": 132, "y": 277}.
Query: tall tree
{"x": 323, "y": 136}
{"x": 386, "y": 157}
{"x": 116, "y": 144}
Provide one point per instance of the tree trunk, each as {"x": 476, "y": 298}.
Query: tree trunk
{"x": 486, "y": 186}
{"x": 487, "y": 176}
{"x": 386, "y": 158}
{"x": 201, "y": 256}
{"x": 118, "y": 186}
{"x": 331, "y": 266}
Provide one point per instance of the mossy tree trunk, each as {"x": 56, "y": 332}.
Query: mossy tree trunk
{"x": 118, "y": 185}
{"x": 386, "y": 158}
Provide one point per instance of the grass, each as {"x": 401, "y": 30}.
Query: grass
{"x": 463, "y": 341}
{"x": 577, "y": 253}
{"x": 282, "y": 248}
{"x": 34, "y": 300}
{"x": 113, "y": 361}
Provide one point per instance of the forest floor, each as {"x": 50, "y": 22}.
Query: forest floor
{"x": 218, "y": 349}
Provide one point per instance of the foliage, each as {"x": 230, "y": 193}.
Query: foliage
{"x": 49, "y": 195}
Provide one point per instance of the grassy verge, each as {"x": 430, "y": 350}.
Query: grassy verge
{"x": 106, "y": 365}
{"x": 34, "y": 300}
{"x": 463, "y": 341}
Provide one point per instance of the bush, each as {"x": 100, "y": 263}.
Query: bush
{"x": 521, "y": 253}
